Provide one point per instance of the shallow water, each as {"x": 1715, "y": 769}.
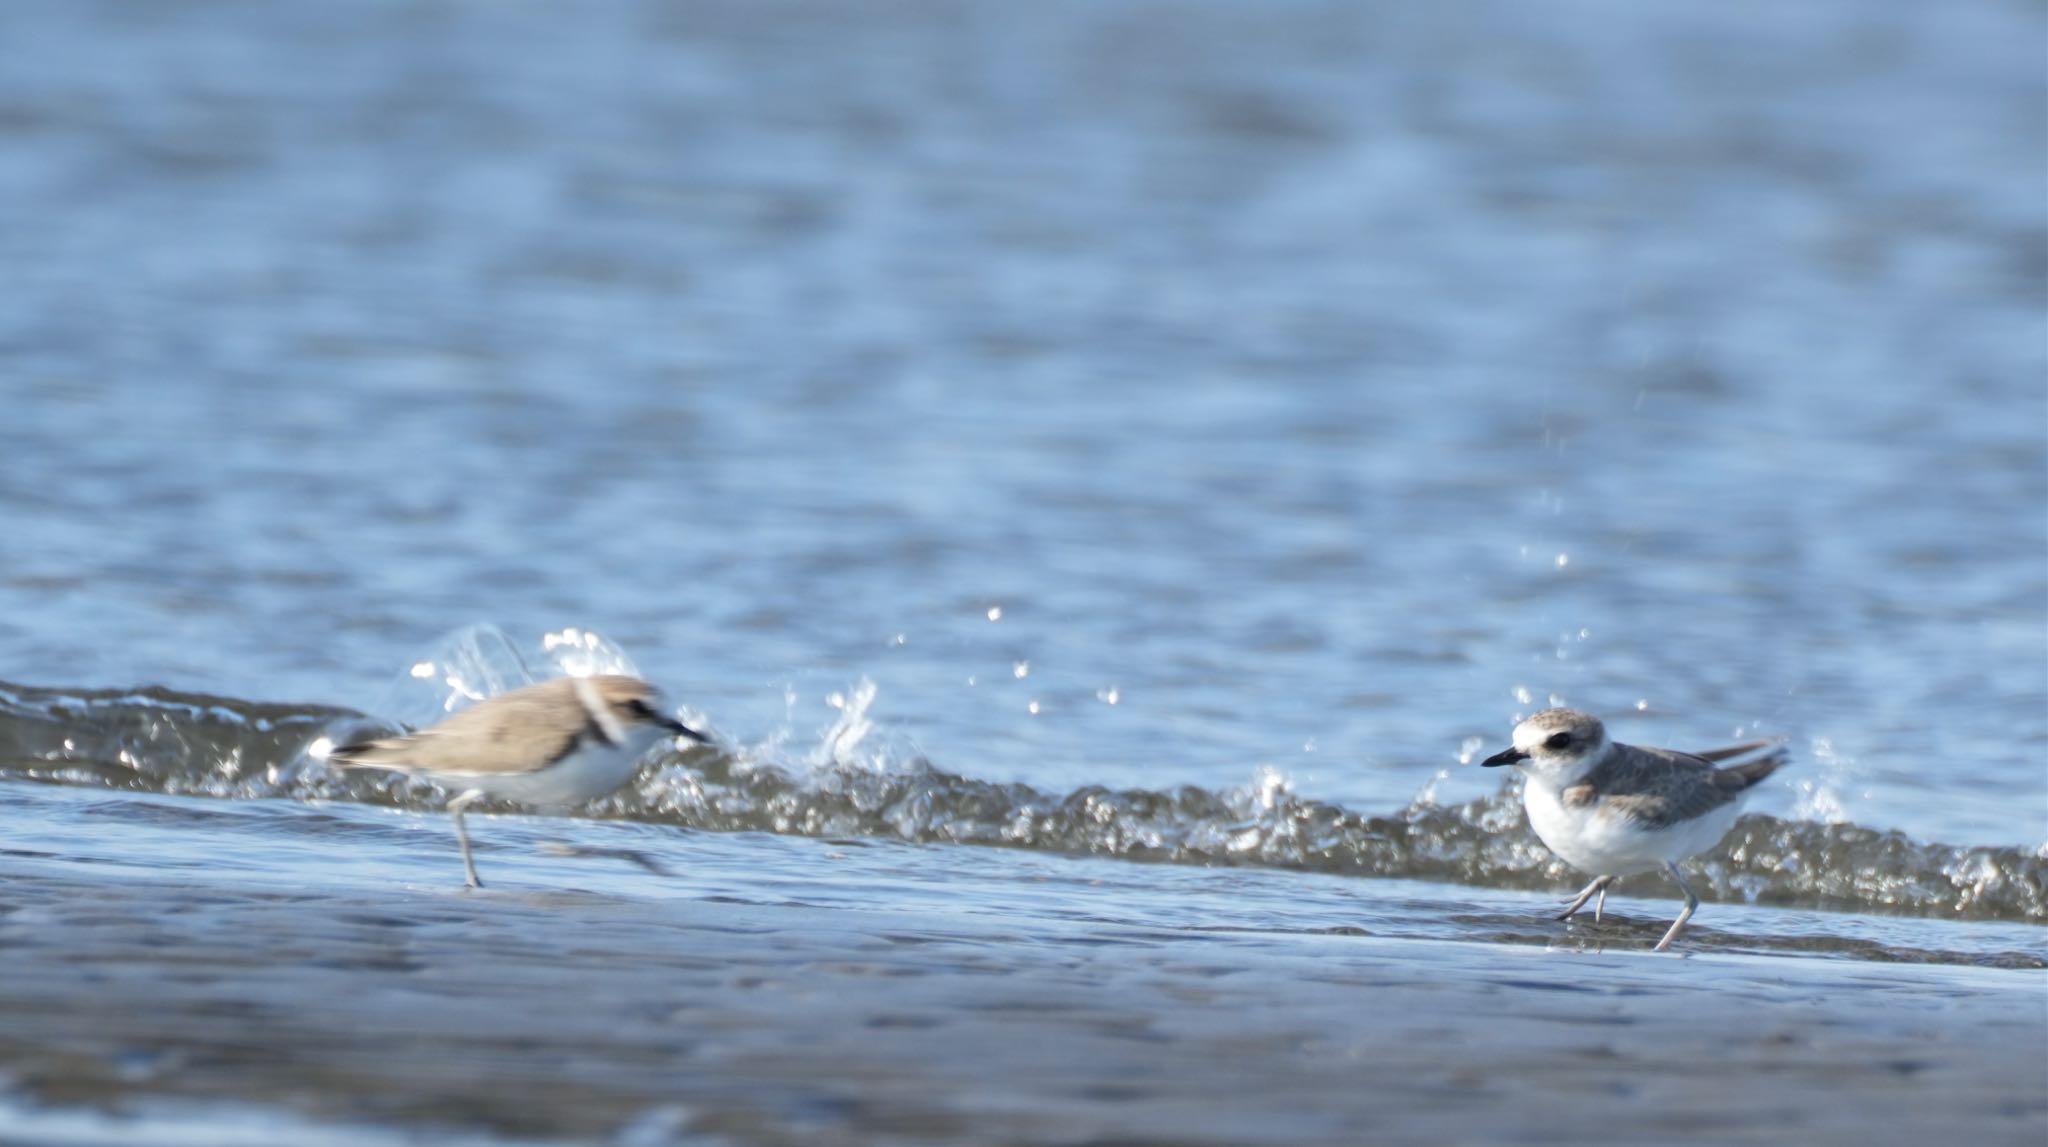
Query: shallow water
{"x": 1097, "y": 469}
{"x": 157, "y": 741}
{"x": 732, "y": 953}
{"x": 773, "y": 989}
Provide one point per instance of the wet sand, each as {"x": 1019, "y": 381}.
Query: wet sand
{"x": 583, "y": 1016}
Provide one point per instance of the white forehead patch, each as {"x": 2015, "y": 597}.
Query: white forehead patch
{"x": 1533, "y": 734}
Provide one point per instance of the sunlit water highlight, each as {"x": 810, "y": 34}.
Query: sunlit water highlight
{"x": 853, "y": 782}
{"x": 1105, "y": 472}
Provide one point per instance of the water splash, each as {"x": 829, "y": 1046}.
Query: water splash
{"x": 479, "y": 661}
{"x": 464, "y": 667}
{"x": 842, "y": 741}
{"x": 1821, "y": 798}
{"x": 855, "y": 781}
{"x": 585, "y": 653}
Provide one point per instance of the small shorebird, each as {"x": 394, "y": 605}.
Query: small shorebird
{"x": 560, "y": 742}
{"x": 1614, "y": 810}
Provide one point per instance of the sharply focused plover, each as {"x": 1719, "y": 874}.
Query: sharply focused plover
{"x": 560, "y": 742}
{"x": 1613, "y": 810}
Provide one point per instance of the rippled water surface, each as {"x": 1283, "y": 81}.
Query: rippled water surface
{"x": 1095, "y": 468}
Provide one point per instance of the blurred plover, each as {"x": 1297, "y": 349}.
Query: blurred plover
{"x": 560, "y": 742}
{"x": 1613, "y": 810}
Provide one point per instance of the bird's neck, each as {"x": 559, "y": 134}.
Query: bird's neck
{"x": 1562, "y": 775}
{"x": 634, "y": 739}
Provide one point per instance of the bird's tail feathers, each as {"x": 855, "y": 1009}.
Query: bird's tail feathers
{"x": 1751, "y": 773}
{"x": 1776, "y": 745}
{"x": 370, "y": 754}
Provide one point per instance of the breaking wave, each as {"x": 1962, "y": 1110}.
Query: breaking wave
{"x": 159, "y": 740}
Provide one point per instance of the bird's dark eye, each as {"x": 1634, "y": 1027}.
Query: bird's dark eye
{"x": 1558, "y": 740}
{"x": 639, "y": 708}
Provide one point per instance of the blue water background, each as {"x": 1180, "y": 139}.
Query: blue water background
{"x": 1138, "y": 395}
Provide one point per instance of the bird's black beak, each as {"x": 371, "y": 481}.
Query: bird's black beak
{"x": 1507, "y": 756}
{"x": 684, "y": 731}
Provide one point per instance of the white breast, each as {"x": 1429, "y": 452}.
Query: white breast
{"x": 590, "y": 772}
{"x": 1600, "y": 844}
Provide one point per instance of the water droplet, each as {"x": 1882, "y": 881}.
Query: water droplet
{"x": 1522, "y": 694}
{"x": 1563, "y": 560}
{"x": 1021, "y": 670}
{"x": 1109, "y": 696}
{"x": 423, "y": 670}
{"x": 1032, "y": 708}
{"x": 995, "y": 613}
{"x": 1426, "y": 798}
{"x": 1642, "y": 704}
